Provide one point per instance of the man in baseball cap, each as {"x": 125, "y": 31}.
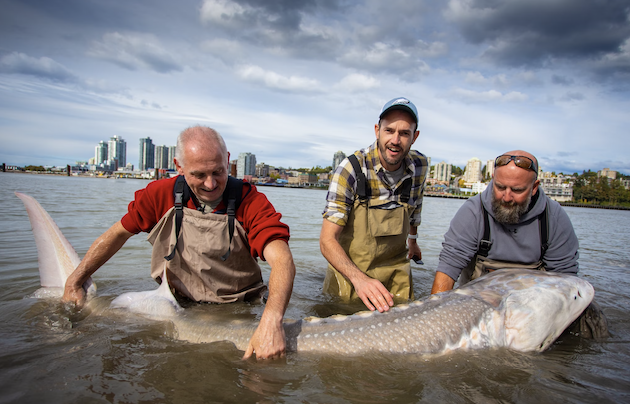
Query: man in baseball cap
{"x": 373, "y": 208}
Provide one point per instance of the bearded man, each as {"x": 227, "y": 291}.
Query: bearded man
{"x": 513, "y": 224}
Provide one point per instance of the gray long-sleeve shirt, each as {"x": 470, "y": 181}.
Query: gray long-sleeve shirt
{"x": 518, "y": 243}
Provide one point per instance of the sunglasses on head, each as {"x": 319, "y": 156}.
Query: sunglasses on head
{"x": 520, "y": 161}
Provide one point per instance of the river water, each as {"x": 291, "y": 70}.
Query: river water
{"x": 50, "y": 354}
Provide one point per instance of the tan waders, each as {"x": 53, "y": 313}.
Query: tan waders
{"x": 197, "y": 270}
{"x": 375, "y": 239}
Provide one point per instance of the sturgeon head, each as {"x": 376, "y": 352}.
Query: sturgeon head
{"x": 157, "y": 304}
{"x": 532, "y": 307}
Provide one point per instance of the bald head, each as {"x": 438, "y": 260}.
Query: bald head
{"x": 202, "y": 159}
{"x": 199, "y": 139}
{"x": 517, "y": 160}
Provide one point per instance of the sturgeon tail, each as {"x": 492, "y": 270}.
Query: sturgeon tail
{"x": 56, "y": 256}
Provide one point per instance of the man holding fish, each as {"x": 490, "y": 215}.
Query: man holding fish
{"x": 208, "y": 230}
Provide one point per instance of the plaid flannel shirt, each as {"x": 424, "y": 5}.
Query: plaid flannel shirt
{"x": 343, "y": 188}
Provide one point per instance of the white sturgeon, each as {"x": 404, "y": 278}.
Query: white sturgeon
{"x": 523, "y": 310}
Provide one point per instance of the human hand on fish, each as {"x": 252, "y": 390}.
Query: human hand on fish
{"x": 374, "y": 295}
{"x": 268, "y": 341}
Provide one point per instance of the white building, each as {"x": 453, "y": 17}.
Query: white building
{"x": 559, "y": 188}
{"x": 101, "y": 153}
{"x": 171, "y": 157}
{"x": 442, "y": 172}
{"x": 117, "y": 151}
{"x": 472, "y": 172}
{"x": 489, "y": 168}
{"x": 479, "y": 187}
{"x": 161, "y": 157}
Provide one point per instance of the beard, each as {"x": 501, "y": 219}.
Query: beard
{"x": 382, "y": 150}
{"x": 509, "y": 212}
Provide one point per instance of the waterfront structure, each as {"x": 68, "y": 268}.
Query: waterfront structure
{"x": 479, "y": 187}
{"x": 337, "y": 159}
{"x": 146, "y": 159}
{"x": 161, "y": 157}
{"x": 442, "y": 172}
{"x": 608, "y": 173}
{"x": 557, "y": 187}
{"x": 262, "y": 170}
{"x": 472, "y": 173}
{"x": 117, "y": 151}
{"x": 171, "y": 157}
{"x": 246, "y": 165}
{"x": 489, "y": 168}
{"x": 101, "y": 153}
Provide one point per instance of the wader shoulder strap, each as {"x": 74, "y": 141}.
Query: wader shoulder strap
{"x": 232, "y": 197}
{"x": 485, "y": 244}
{"x": 405, "y": 190}
{"x": 182, "y": 195}
{"x": 543, "y": 227}
{"x": 363, "y": 188}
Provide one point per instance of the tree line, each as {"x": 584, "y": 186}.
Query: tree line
{"x": 589, "y": 188}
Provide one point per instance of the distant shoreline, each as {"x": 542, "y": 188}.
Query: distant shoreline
{"x": 445, "y": 196}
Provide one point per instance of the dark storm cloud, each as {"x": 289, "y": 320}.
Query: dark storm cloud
{"x": 379, "y": 37}
{"x": 534, "y": 32}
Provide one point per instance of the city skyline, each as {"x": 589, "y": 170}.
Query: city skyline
{"x": 294, "y": 84}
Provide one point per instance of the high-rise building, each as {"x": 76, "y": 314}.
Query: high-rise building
{"x": 472, "y": 173}
{"x": 337, "y": 159}
{"x": 161, "y": 157}
{"x": 100, "y": 155}
{"x": 171, "y": 157}
{"x": 490, "y": 168}
{"x": 146, "y": 158}
{"x": 246, "y": 165}
{"x": 117, "y": 151}
{"x": 442, "y": 172}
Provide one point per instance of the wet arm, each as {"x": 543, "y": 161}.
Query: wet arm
{"x": 371, "y": 291}
{"x": 442, "y": 283}
{"x": 101, "y": 250}
{"x": 268, "y": 341}
{"x": 412, "y": 243}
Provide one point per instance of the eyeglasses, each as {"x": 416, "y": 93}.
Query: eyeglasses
{"x": 520, "y": 161}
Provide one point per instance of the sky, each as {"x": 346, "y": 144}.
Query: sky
{"x": 293, "y": 82}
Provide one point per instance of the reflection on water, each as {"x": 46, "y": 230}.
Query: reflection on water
{"x": 52, "y": 354}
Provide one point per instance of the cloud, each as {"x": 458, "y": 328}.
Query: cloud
{"x": 357, "y": 82}
{"x": 384, "y": 58}
{"x": 476, "y": 78}
{"x": 573, "y": 96}
{"x": 537, "y": 32}
{"x": 275, "y": 81}
{"x": 474, "y": 97}
{"x": 44, "y": 67}
{"x": 227, "y": 50}
{"x": 135, "y": 51}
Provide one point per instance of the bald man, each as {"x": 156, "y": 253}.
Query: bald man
{"x": 219, "y": 231}
{"x": 513, "y": 224}
{"x": 514, "y": 205}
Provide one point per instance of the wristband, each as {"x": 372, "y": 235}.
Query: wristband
{"x": 412, "y": 236}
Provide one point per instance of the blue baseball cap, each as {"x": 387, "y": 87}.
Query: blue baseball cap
{"x": 402, "y": 104}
